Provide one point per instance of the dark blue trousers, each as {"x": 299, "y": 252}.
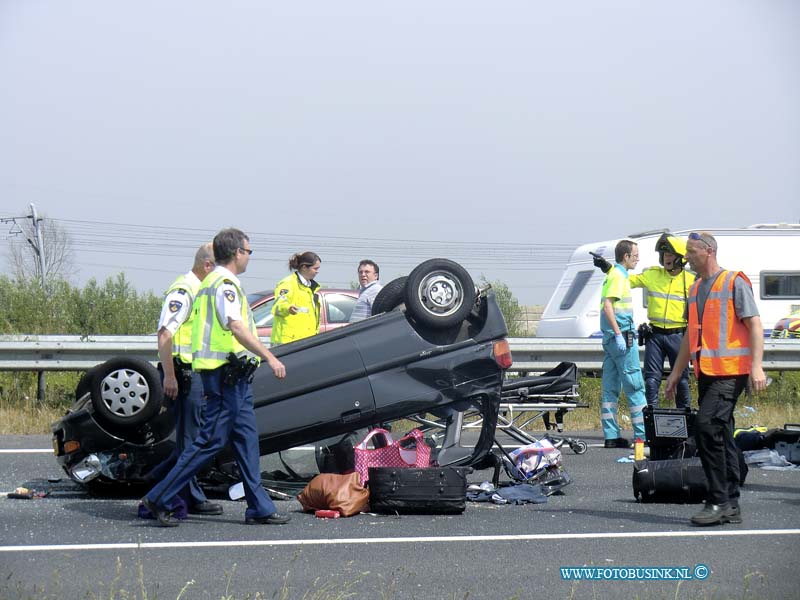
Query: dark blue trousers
{"x": 229, "y": 417}
{"x": 658, "y": 347}
{"x": 188, "y": 410}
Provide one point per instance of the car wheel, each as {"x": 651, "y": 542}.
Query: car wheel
{"x": 439, "y": 293}
{"x": 390, "y": 297}
{"x": 126, "y": 392}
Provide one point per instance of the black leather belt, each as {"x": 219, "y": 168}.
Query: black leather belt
{"x": 668, "y": 331}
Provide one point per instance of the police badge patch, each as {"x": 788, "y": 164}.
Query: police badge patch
{"x": 175, "y": 306}
{"x": 230, "y": 295}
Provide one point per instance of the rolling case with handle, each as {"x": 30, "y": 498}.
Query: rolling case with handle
{"x": 435, "y": 490}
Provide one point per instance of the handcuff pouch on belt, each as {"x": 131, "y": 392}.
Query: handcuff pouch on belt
{"x": 238, "y": 368}
{"x": 645, "y": 331}
{"x": 183, "y": 373}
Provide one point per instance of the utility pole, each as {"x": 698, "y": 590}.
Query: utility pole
{"x": 39, "y": 245}
{"x": 39, "y": 248}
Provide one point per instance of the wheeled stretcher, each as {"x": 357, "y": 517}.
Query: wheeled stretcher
{"x": 525, "y": 399}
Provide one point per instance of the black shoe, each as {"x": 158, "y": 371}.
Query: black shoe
{"x": 163, "y": 516}
{"x": 206, "y": 508}
{"x": 713, "y": 514}
{"x": 617, "y": 443}
{"x": 734, "y": 514}
{"x": 273, "y": 519}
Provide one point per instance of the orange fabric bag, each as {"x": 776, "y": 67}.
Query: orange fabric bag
{"x": 331, "y": 491}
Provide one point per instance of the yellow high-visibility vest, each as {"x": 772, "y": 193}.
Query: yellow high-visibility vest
{"x": 211, "y": 342}
{"x": 666, "y": 296}
{"x": 182, "y": 339}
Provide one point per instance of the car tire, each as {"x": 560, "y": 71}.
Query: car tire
{"x": 390, "y": 297}
{"x": 126, "y": 392}
{"x": 439, "y": 293}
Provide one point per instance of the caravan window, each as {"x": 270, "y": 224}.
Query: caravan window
{"x": 780, "y": 284}
{"x": 575, "y": 289}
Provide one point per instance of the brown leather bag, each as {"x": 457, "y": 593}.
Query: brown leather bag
{"x": 331, "y": 491}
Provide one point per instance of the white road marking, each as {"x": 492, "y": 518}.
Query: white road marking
{"x": 406, "y": 540}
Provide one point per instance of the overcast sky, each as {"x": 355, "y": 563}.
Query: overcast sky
{"x": 499, "y": 134}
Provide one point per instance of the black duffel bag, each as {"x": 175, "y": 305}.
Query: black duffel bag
{"x": 679, "y": 481}
{"x": 432, "y": 490}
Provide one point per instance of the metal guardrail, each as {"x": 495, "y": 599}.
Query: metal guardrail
{"x": 541, "y": 354}
{"x": 77, "y": 353}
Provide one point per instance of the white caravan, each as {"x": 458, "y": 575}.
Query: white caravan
{"x": 768, "y": 254}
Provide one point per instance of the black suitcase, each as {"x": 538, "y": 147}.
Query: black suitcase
{"x": 680, "y": 481}
{"x": 666, "y": 429}
{"x": 434, "y": 490}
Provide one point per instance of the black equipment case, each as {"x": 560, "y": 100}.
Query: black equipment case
{"x": 667, "y": 429}
{"x": 677, "y": 481}
{"x": 433, "y": 490}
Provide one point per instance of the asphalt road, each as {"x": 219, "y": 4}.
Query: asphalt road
{"x": 71, "y": 545}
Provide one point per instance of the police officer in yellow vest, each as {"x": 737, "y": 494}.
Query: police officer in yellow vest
{"x": 181, "y": 384}
{"x": 297, "y": 303}
{"x": 667, "y": 290}
{"x": 224, "y": 347}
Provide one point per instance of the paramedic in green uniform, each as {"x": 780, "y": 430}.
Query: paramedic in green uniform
{"x": 621, "y": 366}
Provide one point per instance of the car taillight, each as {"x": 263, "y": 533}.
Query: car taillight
{"x": 502, "y": 354}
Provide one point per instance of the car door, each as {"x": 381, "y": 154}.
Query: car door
{"x": 262, "y": 315}
{"x": 325, "y": 392}
{"x": 337, "y": 309}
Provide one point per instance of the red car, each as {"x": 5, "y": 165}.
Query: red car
{"x": 337, "y": 306}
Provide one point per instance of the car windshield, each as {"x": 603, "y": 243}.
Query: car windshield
{"x": 262, "y": 314}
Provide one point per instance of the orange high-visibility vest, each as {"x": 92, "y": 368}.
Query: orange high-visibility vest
{"x": 721, "y": 339}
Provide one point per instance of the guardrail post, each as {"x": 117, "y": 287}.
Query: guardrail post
{"x": 40, "y": 386}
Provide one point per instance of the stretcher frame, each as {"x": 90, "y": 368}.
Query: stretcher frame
{"x": 523, "y": 401}
{"x": 527, "y": 399}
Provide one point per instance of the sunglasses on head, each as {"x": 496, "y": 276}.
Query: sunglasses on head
{"x": 699, "y": 238}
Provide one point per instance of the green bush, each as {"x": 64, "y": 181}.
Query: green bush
{"x": 509, "y": 306}
{"x": 115, "y": 308}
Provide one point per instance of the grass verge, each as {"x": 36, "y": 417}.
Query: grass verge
{"x": 22, "y": 414}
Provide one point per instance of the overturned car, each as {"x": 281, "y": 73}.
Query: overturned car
{"x": 434, "y": 346}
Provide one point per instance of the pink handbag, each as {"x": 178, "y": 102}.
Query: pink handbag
{"x": 393, "y": 454}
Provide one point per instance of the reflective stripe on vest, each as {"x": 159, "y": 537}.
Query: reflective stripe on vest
{"x": 622, "y": 306}
{"x": 659, "y": 305}
{"x": 211, "y": 342}
{"x": 721, "y": 339}
{"x": 665, "y": 295}
{"x": 182, "y": 339}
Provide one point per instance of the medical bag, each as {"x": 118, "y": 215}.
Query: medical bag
{"x": 667, "y": 429}
{"x": 677, "y": 481}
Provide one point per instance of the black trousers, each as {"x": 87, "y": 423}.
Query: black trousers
{"x": 714, "y": 434}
